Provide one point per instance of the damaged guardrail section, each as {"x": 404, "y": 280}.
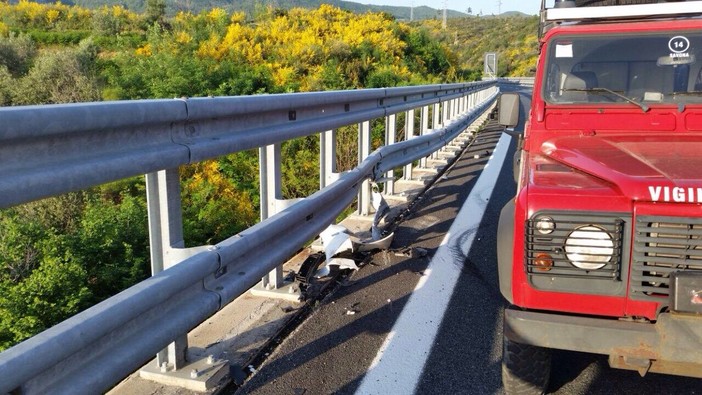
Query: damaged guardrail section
{"x": 50, "y": 150}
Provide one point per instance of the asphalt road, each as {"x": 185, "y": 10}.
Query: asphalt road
{"x": 334, "y": 348}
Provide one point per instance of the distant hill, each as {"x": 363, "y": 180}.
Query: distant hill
{"x": 251, "y": 6}
{"x": 401, "y": 13}
{"x": 511, "y": 14}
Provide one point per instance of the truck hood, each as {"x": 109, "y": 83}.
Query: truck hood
{"x": 643, "y": 168}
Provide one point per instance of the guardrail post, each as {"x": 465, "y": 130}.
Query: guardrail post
{"x": 409, "y": 134}
{"x": 436, "y": 123}
{"x": 390, "y": 137}
{"x": 364, "y": 147}
{"x": 436, "y": 116}
{"x": 166, "y": 234}
{"x": 424, "y": 129}
{"x": 445, "y": 112}
{"x": 327, "y": 158}
{"x": 167, "y": 249}
{"x": 270, "y": 178}
{"x": 273, "y": 285}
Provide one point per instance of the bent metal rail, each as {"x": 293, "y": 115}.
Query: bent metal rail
{"x": 50, "y": 150}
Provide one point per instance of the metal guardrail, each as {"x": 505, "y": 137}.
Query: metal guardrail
{"x": 49, "y": 150}
{"x": 525, "y": 81}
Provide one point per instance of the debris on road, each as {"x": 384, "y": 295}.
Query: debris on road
{"x": 416, "y": 252}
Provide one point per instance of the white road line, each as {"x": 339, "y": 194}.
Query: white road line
{"x": 398, "y": 365}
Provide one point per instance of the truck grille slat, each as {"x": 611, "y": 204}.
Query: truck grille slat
{"x": 662, "y": 246}
{"x": 675, "y": 231}
{"x": 675, "y": 242}
{"x": 666, "y": 257}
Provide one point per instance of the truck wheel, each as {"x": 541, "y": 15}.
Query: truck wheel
{"x": 591, "y": 3}
{"x": 525, "y": 369}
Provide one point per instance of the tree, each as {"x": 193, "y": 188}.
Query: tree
{"x": 105, "y": 22}
{"x": 7, "y": 84}
{"x": 58, "y": 76}
{"x": 17, "y": 52}
{"x": 213, "y": 208}
{"x": 111, "y": 242}
{"x": 155, "y": 11}
{"x": 53, "y": 292}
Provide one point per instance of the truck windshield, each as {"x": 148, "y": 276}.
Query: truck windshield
{"x": 626, "y": 69}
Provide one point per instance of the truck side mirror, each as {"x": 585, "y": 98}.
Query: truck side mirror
{"x": 508, "y": 110}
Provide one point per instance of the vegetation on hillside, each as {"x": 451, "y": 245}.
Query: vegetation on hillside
{"x": 254, "y": 7}
{"x": 514, "y": 39}
{"x": 63, "y": 254}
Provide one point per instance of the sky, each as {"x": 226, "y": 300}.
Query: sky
{"x": 530, "y": 7}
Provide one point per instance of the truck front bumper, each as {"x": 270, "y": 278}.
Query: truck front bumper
{"x": 671, "y": 345}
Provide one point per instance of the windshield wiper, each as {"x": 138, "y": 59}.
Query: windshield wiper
{"x": 606, "y": 90}
{"x": 691, "y": 93}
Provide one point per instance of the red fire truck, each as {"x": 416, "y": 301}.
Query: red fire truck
{"x": 600, "y": 251}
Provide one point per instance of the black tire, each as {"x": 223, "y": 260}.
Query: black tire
{"x": 525, "y": 369}
{"x": 592, "y": 3}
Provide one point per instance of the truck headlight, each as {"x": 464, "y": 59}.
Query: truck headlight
{"x": 545, "y": 225}
{"x": 589, "y": 247}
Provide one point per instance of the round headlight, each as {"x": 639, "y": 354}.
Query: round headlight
{"x": 545, "y": 225}
{"x": 589, "y": 247}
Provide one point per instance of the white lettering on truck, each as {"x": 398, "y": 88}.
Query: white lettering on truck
{"x": 675, "y": 194}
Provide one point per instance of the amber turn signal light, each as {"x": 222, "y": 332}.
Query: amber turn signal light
{"x": 543, "y": 262}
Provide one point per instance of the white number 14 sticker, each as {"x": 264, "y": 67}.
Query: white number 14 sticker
{"x": 679, "y": 44}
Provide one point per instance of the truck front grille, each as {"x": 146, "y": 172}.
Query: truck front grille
{"x": 663, "y": 245}
{"x": 555, "y": 246}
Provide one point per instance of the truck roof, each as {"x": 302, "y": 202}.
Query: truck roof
{"x": 621, "y": 12}
{"x": 556, "y": 16}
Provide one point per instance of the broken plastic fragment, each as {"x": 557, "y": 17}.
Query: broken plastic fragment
{"x": 335, "y": 240}
{"x": 343, "y": 263}
{"x": 381, "y": 244}
{"x": 322, "y": 272}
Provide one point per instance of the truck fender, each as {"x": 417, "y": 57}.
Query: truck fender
{"x": 505, "y": 250}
